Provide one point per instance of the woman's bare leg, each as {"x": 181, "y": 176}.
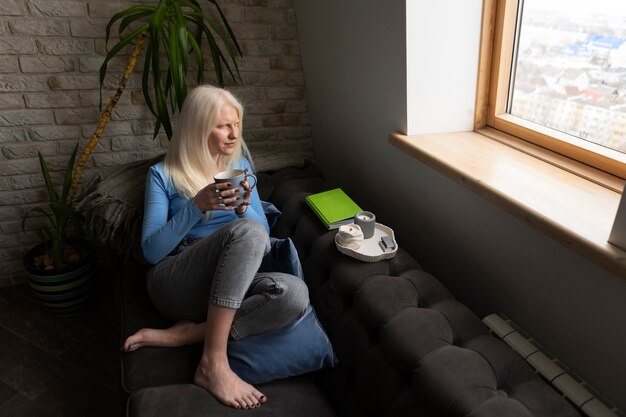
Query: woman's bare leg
{"x": 214, "y": 373}
{"x": 181, "y": 334}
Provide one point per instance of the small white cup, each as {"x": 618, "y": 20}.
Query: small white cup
{"x": 350, "y": 236}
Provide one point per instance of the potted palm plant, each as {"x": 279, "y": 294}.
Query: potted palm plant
{"x": 61, "y": 268}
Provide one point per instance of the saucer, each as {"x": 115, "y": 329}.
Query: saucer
{"x": 369, "y": 249}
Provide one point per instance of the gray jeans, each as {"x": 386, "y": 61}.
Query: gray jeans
{"x": 221, "y": 269}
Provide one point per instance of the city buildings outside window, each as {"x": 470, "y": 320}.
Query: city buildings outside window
{"x": 559, "y": 77}
{"x": 570, "y": 71}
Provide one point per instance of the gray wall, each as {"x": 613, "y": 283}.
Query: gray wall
{"x": 354, "y": 59}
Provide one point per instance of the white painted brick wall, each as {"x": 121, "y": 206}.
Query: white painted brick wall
{"x": 50, "y": 55}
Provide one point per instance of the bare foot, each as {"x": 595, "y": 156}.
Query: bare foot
{"x": 177, "y": 335}
{"x": 226, "y": 386}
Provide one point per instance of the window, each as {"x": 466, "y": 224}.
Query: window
{"x": 558, "y": 77}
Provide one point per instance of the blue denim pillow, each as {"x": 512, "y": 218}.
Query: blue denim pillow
{"x": 272, "y": 214}
{"x": 282, "y": 257}
{"x": 298, "y": 348}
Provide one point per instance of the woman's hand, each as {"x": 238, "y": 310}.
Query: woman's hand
{"x": 246, "y": 197}
{"x": 215, "y": 196}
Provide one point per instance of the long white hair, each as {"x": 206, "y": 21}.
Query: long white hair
{"x": 188, "y": 162}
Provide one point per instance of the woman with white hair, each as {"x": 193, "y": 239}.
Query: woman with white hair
{"x": 206, "y": 253}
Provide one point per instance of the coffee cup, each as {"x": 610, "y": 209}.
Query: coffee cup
{"x": 235, "y": 177}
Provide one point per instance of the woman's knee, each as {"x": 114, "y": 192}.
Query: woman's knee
{"x": 251, "y": 230}
{"x": 295, "y": 297}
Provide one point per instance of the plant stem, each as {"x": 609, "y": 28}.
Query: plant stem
{"x": 104, "y": 118}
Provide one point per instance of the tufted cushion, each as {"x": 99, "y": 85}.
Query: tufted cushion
{"x": 297, "y": 396}
{"x": 406, "y": 346}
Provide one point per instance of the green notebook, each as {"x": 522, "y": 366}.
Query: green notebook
{"x": 333, "y": 207}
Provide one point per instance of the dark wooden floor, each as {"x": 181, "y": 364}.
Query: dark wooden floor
{"x": 60, "y": 366}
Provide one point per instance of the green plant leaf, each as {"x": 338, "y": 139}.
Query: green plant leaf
{"x": 168, "y": 89}
{"x": 52, "y": 195}
{"x": 227, "y": 42}
{"x": 195, "y": 38}
{"x": 195, "y": 5}
{"x": 46, "y": 235}
{"x": 157, "y": 127}
{"x": 125, "y": 13}
{"x": 164, "y": 117}
{"x": 214, "y": 55}
{"x": 156, "y": 29}
{"x": 69, "y": 170}
{"x": 41, "y": 235}
{"x": 128, "y": 20}
{"x": 53, "y": 244}
{"x": 218, "y": 55}
{"x": 221, "y": 55}
{"x": 177, "y": 50}
{"x": 199, "y": 57}
{"x": 231, "y": 35}
{"x": 145, "y": 78}
{"x": 38, "y": 210}
{"x": 181, "y": 28}
{"x": 176, "y": 71}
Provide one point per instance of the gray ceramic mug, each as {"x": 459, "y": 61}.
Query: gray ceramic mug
{"x": 235, "y": 177}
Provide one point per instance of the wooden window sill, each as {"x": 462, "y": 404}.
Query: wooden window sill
{"x": 573, "y": 209}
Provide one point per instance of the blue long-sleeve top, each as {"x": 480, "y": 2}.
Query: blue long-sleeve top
{"x": 169, "y": 216}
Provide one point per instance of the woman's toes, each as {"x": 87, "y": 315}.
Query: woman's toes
{"x": 251, "y": 401}
{"x": 129, "y": 345}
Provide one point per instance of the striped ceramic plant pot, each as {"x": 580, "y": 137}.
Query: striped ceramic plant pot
{"x": 66, "y": 292}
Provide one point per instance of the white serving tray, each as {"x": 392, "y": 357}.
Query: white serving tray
{"x": 369, "y": 249}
